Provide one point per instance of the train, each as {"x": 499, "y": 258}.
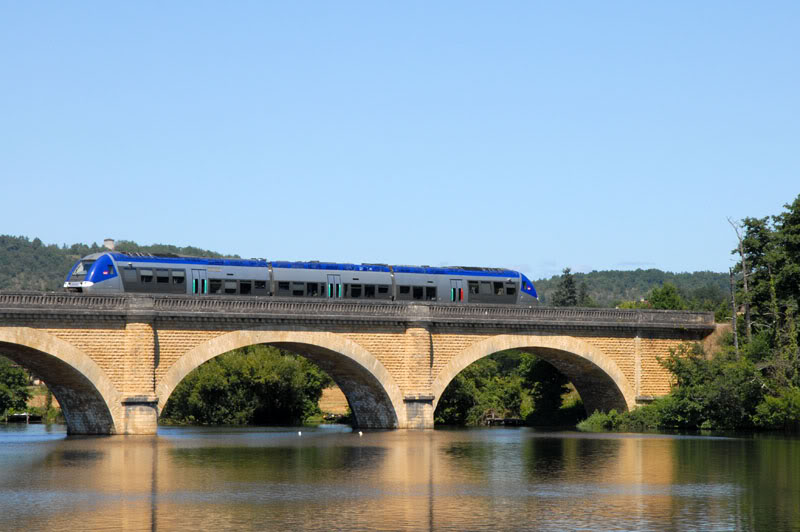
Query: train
{"x": 114, "y": 272}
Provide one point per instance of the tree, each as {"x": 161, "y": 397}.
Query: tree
{"x": 584, "y": 299}
{"x": 666, "y": 298}
{"x": 257, "y": 385}
{"x": 566, "y": 294}
{"x": 745, "y": 274}
{"x": 14, "y": 392}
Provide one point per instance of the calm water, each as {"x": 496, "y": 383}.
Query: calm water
{"x": 333, "y": 479}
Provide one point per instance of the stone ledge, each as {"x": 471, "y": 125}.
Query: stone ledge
{"x": 139, "y": 400}
{"x": 418, "y": 399}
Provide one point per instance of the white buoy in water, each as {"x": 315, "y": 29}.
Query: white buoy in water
{"x": 299, "y": 433}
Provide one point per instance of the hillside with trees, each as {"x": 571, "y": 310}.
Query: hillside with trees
{"x": 31, "y": 265}
{"x": 610, "y": 288}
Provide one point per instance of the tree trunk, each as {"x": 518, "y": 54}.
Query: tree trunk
{"x": 733, "y": 314}
{"x": 745, "y": 274}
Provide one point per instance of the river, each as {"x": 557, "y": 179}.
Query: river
{"x": 331, "y": 478}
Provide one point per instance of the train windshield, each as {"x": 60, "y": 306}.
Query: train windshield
{"x": 82, "y": 267}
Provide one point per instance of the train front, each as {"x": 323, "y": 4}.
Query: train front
{"x": 527, "y": 292}
{"x": 95, "y": 273}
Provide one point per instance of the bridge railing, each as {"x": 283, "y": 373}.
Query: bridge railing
{"x": 176, "y": 306}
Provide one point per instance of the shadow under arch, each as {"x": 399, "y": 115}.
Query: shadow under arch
{"x": 91, "y": 404}
{"x": 374, "y": 398}
{"x": 598, "y": 379}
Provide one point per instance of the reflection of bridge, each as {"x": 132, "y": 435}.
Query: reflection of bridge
{"x": 113, "y": 361}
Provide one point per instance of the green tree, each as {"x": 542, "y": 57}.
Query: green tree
{"x": 14, "y": 392}
{"x": 666, "y": 298}
{"x": 584, "y": 299}
{"x": 566, "y": 294}
{"x": 509, "y": 384}
{"x": 546, "y": 386}
{"x": 257, "y": 385}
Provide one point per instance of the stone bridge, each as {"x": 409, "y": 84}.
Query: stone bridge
{"x": 113, "y": 361}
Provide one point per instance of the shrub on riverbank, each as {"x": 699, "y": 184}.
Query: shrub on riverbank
{"x": 14, "y": 393}
{"x": 723, "y": 392}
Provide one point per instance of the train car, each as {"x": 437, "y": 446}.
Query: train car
{"x": 114, "y": 272}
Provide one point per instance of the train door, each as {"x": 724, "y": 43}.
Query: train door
{"x": 456, "y": 291}
{"x": 334, "y": 286}
{"x": 199, "y": 282}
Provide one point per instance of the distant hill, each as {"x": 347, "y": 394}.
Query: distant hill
{"x": 30, "y": 265}
{"x": 608, "y": 288}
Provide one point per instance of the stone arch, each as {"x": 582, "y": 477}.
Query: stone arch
{"x": 89, "y": 401}
{"x": 375, "y": 399}
{"x": 598, "y": 379}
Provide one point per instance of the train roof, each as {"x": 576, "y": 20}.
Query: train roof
{"x": 171, "y": 258}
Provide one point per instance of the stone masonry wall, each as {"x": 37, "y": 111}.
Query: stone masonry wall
{"x": 124, "y": 352}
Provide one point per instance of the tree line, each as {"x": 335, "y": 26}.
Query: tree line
{"x": 614, "y": 288}
{"x": 27, "y": 264}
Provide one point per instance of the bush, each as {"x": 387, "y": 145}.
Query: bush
{"x": 781, "y": 411}
{"x": 14, "y": 393}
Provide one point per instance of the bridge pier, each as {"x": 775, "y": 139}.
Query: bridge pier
{"x": 419, "y": 411}
{"x": 140, "y": 414}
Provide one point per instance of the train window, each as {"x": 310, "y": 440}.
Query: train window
{"x": 215, "y": 286}
{"x": 298, "y": 289}
{"x": 83, "y": 267}
{"x": 178, "y": 276}
{"x": 162, "y": 276}
{"x": 417, "y": 292}
{"x": 146, "y": 276}
{"x": 354, "y": 290}
{"x": 486, "y": 288}
{"x": 511, "y": 290}
{"x": 312, "y": 289}
{"x": 473, "y": 287}
{"x": 498, "y": 289}
{"x": 369, "y": 290}
{"x": 260, "y": 285}
{"x": 383, "y": 289}
{"x": 284, "y": 288}
{"x": 230, "y": 287}
{"x": 430, "y": 293}
{"x": 245, "y": 287}
{"x": 405, "y": 289}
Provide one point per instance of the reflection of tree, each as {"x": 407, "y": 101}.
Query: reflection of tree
{"x": 759, "y": 475}
{"x": 552, "y": 458}
{"x": 302, "y": 463}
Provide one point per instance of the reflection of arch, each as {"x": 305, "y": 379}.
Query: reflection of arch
{"x": 597, "y": 377}
{"x": 90, "y": 402}
{"x": 375, "y": 399}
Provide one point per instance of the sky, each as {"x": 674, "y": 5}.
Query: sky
{"x": 525, "y": 135}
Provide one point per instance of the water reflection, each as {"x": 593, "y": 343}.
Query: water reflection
{"x": 436, "y": 480}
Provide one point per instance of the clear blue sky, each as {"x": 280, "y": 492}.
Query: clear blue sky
{"x": 595, "y": 135}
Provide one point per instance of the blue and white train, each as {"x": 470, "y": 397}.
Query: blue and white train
{"x": 113, "y": 272}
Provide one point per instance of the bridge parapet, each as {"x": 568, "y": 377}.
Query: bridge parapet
{"x": 397, "y": 313}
